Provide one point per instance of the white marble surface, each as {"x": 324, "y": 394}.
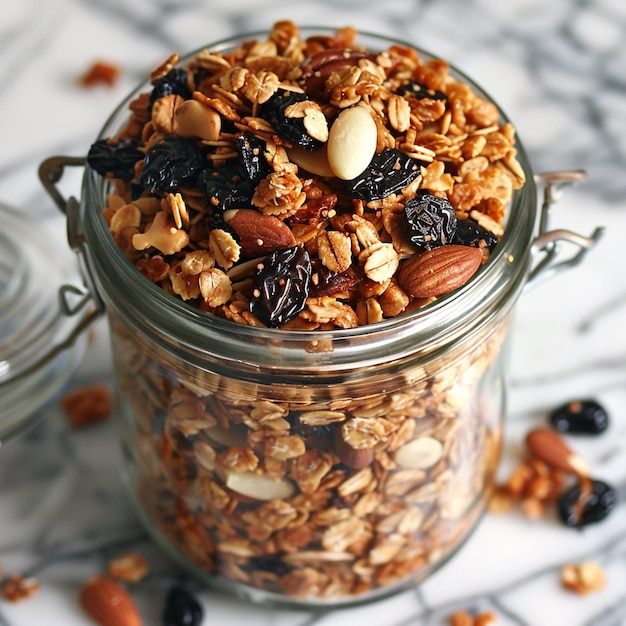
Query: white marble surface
{"x": 558, "y": 69}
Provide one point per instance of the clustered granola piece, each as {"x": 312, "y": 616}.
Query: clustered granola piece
{"x": 87, "y": 405}
{"x": 16, "y": 588}
{"x": 465, "y": 618}
{"x": 240, "y": 155}
{"x": 583, "y": 578}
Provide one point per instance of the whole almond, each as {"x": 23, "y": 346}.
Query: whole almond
{"x": 108, "y": 603}
{"x": 438, "y": 271}
{"x": 353, "y": 458}
{"x": 259, "y": 234}
{"x": 547, "y": 445}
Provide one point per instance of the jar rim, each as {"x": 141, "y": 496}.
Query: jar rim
{"x": 496, "y": 285}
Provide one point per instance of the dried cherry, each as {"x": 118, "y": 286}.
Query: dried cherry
{"x": 580, "y": 416}
{"x": 170, "y": 164}
{"x": 388, "y": 172}
{"x": 281, "y": 286}
{"x": 116, "y": 157}
{"x": 290, "y": 128}
{"x": 576, "y": 513}
{"x": 182, "y": 608}
{"x": 429, "y": 221}
{"x": 251, "y": 151}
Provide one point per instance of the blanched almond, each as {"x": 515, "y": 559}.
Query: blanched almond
{"x": 351, "y": 142}
{"x": 259, "y": 486}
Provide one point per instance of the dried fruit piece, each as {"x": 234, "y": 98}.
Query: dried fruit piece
{"x": 174, "y": 82}
{"x": 170, "y": 164}
{"x": 281, "y": 286}
{"x": 389, "y": 171}
{"x": 419, "y": 91}
{"x": 429, "y": 221}
{"x": 469, "y": 233}
{"x": 292, "y": 128}
{"x": 351, "y": 142}
{"x": 548, "y": 446}
{"x": 580, "y": 416}
{"x": 251, "y": 151}
{"x": 114, "y": 156}
{"x": 181, "y": 608}
{"x": 587, "y": 503}
{"x": 439, "y": 271}
{"x": 108, "y": 603}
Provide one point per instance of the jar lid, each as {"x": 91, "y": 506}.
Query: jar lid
{"x": 35, "y": 262}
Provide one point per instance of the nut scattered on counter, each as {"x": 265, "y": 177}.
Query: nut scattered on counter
{"x": 108, "y": 603}
{"x": 130, "y": 568}
{"x": 87, "y": 405}
{"x": 583, "y": 578}
{"x": 17, "y": 588}
{"x": 464, "y": 618}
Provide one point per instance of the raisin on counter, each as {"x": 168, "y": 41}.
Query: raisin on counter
{"x": 170, "y": 164}
{"x": 290, "y": 128}
{"x": 281, "y": 286}
{"x": 181, "y": 608}
{"x": 580, "y": 416}
{"x": 597, "y": 505}
{"x": 388, "y": 172}
{"x": 116, "y": 157}
{"x": 429, "y": 221}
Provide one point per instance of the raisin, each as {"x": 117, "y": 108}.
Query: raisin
{"x": 388, "y": 172}
{"x": 273, "y": 565}
{"x": 174, "y": 82}
{"x": 328, "y": 283}
{"x": 181, "y": 608}
{"x": 171, "y": 163}
{"x": 290, "y": 128}
{"x": 116, "y": 157}
{"x": 419, "y": 91}
{"x": 281, "y": 286}
{"x": 227, "y": 187}
{"x": 576, "y": 514}
{"x": 251, "y": 151}
{"x": 429, "y": 221}
{"x": 469, "y": 233}
{"x": 580, "y": 416}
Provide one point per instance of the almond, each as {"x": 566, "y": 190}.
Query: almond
{"x": 356, "y": 459}
{"x": 108, "y": 603}
{"x": 259, "y": 234}
{"x": 548, "y": 446}
{"x": 438, "y": 271}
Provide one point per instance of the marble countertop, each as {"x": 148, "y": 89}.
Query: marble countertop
{"x": 557, "y": 69}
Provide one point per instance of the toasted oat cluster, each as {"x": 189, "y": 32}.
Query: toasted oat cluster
{"x": 308, "y": 183}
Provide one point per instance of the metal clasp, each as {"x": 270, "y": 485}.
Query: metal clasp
{"x": 548, "y": 244}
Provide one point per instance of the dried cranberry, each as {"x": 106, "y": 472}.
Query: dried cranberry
{"x": 388, "y": 172}
{"x": 171, "y": 163}
{"x": 117, "y": 157}
{"x": 174, "y": 82}
{"x": 580, "y": 416}
{"x": 281, "y": 286}
{"x": 469, "y": 233}
{"x": 181, "y": 608}
{"x": 576, "y": 514}
{"x": 290, "y": 128}
{"x": 429, "y": 221}
{"x": 419, "y": 91}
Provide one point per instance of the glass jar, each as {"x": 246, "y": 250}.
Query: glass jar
{"x": 319, "y": 468}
